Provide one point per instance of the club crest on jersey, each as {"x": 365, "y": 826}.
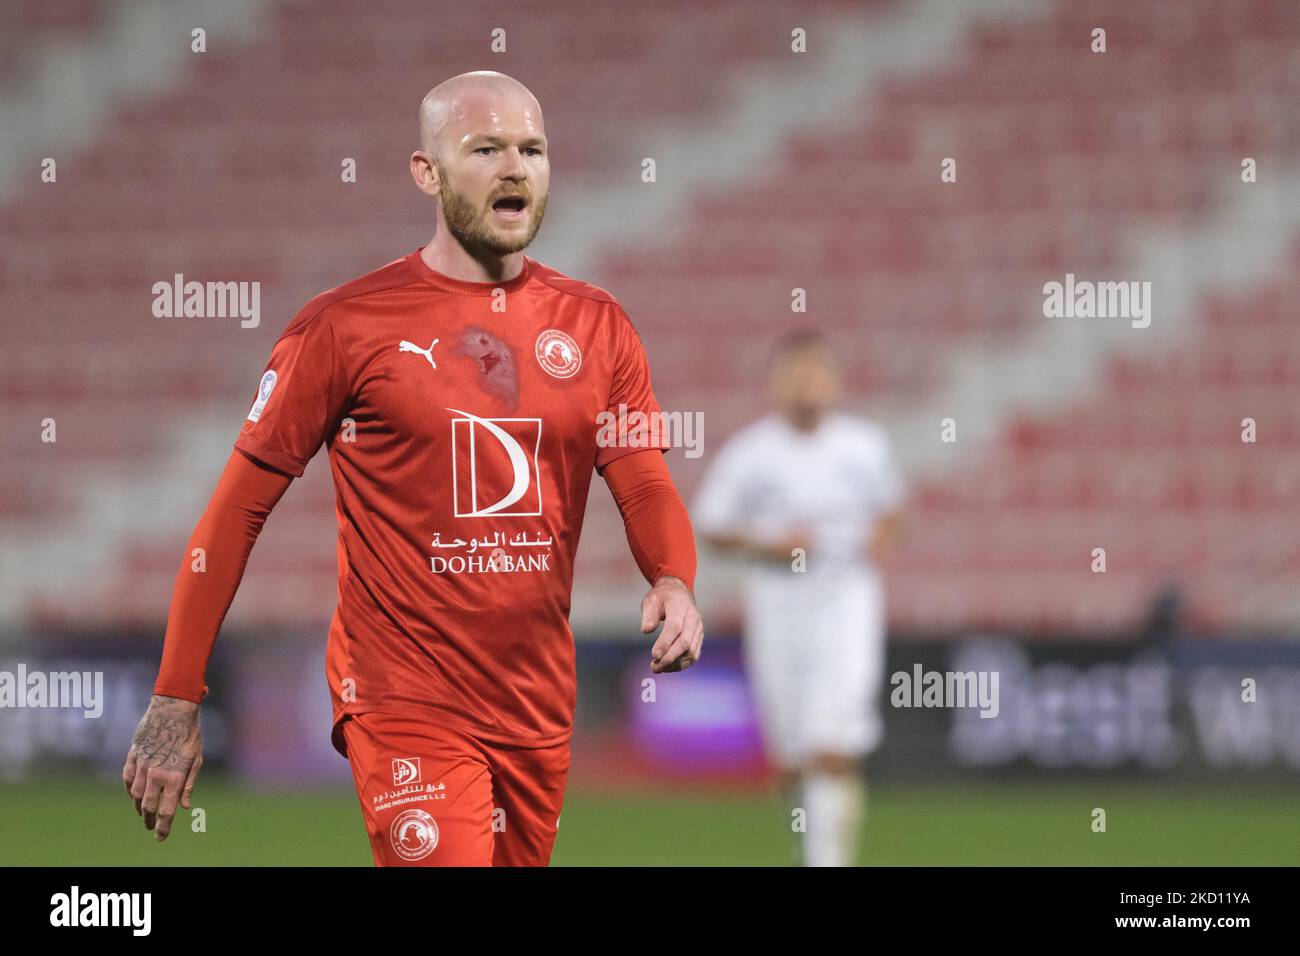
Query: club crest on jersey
{"x": 264, "y": 389}
{"x": 414, "y": 834}
{"x": 558, "y": 354}
{"x": 406, "y": 770}
{"x": 494, "y": 470}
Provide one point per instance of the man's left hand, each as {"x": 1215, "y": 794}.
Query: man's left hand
{"x": 682, "y": 640}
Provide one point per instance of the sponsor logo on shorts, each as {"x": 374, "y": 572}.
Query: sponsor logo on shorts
{"x": 411, "y": 793}
{"x": 414, "y": 834}
{"x": 406, "y": 770}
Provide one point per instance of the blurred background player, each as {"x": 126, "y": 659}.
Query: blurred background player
{"x": 811, "y": 495}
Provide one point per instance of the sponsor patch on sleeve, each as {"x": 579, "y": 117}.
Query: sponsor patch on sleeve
{"x": 264, "y": 389}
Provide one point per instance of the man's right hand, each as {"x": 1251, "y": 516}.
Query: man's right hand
{"x": 163, "y": 761}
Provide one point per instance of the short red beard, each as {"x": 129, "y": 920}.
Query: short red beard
{"x": 465, "y": 222}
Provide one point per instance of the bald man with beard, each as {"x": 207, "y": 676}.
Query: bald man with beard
{"x": 487, "y": 216}
{"x": 460, "y": 392}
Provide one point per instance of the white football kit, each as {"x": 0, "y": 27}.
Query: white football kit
{"x": 814, "y": 639}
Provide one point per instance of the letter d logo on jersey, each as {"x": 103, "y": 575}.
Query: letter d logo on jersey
{"x": 494, "y": 466}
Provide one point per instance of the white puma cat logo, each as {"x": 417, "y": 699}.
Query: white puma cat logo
{"x": 406, "y": 346}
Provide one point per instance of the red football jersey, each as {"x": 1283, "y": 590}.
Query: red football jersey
{"x": 462, "y": 423}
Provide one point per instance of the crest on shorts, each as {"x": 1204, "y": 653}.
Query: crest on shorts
{"x": 414, "y": 834}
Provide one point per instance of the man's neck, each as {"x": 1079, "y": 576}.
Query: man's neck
{"x": 445, "y": 255}
{"x": 805, "y": 422}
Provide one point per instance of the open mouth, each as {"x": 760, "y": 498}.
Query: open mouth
{"x": 511, "y": 207}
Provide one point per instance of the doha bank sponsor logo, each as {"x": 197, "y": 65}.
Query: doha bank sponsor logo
{"x": 484, "y": 449}
{"x": 495, "y": 474}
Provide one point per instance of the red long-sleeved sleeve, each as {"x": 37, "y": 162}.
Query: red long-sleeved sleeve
{"x": 658, "y": 528}
{"x": 205, "y": 586}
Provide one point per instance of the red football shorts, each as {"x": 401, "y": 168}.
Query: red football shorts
{"x": 432, "y": 796}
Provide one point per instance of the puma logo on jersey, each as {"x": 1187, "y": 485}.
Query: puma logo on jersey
{"x": 406, "y": 346}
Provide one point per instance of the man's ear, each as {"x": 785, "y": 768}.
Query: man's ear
{"x": 425, "y": 173}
